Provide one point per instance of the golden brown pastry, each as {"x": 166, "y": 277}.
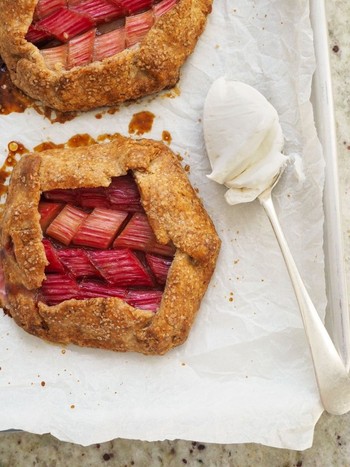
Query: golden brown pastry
{"x": 106, "y": 246}
{"x": 91, "y": 53}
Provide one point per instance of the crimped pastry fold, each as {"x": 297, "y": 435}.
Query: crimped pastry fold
{"x": 175, "y": 213}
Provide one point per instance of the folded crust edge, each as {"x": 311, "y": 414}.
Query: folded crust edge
{"x": 175, "y": 213}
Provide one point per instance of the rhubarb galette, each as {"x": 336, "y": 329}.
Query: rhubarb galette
{"x": 106, "y": 246}
{"x": 81, "y": 54}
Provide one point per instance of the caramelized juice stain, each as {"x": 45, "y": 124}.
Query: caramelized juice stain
{"x": 141, "y": 122}
{"x": 172, "y": 93}
{"x": 113, "y": 110}
{"x": 75, "y": 141}
{"x": 166, "y": 137}
{"x": 54, "y": 115}
{"x": 46, "y": 146}
{"x": 15, "y": 150}
{"x": 13, "y": 99}
{"x": 107, "y": 137}
{"x": 80, "y": 140}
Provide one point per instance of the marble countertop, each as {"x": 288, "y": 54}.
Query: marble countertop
{"x": 331, "y": 445}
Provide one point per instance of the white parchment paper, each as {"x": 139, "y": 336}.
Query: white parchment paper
{"x": 245, "y": 373}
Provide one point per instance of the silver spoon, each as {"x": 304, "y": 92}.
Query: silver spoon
{"x": 331, "y": 374}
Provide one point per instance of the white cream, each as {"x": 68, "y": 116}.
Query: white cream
{"x": 244, "y": 140}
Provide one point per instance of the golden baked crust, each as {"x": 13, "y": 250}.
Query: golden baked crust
{"x": 173, "y": 210}
{"x": 146, "y": 69}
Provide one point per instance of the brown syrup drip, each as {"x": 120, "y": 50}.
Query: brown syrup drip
{"x": 141, "y": 122}
{"x": 166, "y": 137}
{"x": 75, "y": 141}
{"x": 54, "y": 116}
{"x": 47, "y": 145}
{"x": 14, "y": 100}
{"x": 15, "y": 149}
{"x": 80, "y": 140}
{"x": 113, "y": 110}
{"x": 11, "y": 98}
{"x": 172, "y": 93}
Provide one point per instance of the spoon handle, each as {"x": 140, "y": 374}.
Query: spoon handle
{"x": 331, "y": 374}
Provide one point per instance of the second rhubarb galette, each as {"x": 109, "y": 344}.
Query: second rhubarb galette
{"x": 82, "y": 54}
{"x": 106, "y": 246}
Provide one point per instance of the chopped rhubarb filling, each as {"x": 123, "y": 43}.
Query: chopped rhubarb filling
{"x": 98, "y": 243}
{"x": 72, "y": 33}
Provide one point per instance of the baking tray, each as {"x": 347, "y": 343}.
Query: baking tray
{"x": 337, "y": 313}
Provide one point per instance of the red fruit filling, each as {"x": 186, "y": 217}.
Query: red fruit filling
{"x": 99, "y": 228}
{"x": 138, "y": 235}
{"x": 73, "y": 33}
{"x": 48, "y": 212}
{"x": 159, "y": 266}
{"x": 98, "y": 243}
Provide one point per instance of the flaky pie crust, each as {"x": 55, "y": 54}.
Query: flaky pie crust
{"x": 142, "y": 70}
{"x": 175, "y": 213}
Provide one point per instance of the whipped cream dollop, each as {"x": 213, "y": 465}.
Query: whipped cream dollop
{"x": 243, "y": 138}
